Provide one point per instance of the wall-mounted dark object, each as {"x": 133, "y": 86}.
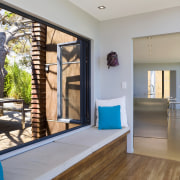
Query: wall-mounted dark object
{"x": 112, "y": 59}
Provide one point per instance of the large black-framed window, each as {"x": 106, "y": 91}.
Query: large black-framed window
{"x": 86, "y": 82}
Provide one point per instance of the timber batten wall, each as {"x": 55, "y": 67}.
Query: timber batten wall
{"x": 44, "y": 85}
{"x": 38, "y": 99}
{"x": 53, "y": 38}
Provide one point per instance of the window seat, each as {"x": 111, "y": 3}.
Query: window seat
{"x": 50, "y": 160}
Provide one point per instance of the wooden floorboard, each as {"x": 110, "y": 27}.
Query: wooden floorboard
{"x": 137, "y": 167}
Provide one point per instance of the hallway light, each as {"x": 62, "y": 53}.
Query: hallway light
{"x": 101, "y": 7}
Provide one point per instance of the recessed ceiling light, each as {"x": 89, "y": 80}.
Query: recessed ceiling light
{"x": 101, "y": 7}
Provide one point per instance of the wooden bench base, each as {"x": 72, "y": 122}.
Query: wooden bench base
{"x": 89, "y": 167}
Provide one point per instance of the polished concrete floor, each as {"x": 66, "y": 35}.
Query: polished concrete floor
{"x": 150, "y": 124}
{"x": 161, "y": 147}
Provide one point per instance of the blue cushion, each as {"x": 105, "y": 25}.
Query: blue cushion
{"x": 109, "y": 117}
{"x": 1, "y": 172}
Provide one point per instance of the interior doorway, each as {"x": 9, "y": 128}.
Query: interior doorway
{"x": 156, "y": 96}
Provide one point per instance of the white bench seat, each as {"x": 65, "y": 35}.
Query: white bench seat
{"x": 47, "y": 161}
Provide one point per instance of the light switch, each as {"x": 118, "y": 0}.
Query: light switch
{"x": 124, "y": 85}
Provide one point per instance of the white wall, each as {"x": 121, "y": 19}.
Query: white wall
{"x": 157, "y": 49}
{"x": 141, "y": 77}
{"x": 140, "y": 80}
{"x": 66, "y": 15}
{"x": 117, "y": 35}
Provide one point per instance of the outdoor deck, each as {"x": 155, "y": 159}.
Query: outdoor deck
{"x": 11, "y": 132}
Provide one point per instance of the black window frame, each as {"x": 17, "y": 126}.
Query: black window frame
{"x": 84, "y": 76}
{"x": 86, "y": 46}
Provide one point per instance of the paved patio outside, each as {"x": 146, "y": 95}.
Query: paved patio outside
{"x": 11, "y": 132}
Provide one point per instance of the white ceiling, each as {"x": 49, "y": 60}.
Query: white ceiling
{"x": 121, "y": 8}
{"x": 157, "y": 49}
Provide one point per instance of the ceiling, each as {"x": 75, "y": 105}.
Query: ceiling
{"x": 122, "y": 8}
{"x": 157, "y": 49}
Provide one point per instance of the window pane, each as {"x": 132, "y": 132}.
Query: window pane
{"x": 71, "y": 82}
{"x": 166, "y": 84}
{"x": 158, "y": 84}
{"x": 154, "y": 84}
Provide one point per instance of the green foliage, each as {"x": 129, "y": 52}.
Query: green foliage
{"x": 8, "y": 79}
{"x": 25, "y": 62}
{"x": 21, "y": 46}
{"x": 8, "y": 14}
{"x": 17, "y": 83}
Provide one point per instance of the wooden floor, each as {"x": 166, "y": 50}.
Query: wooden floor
{"x": 137, "y": 167}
